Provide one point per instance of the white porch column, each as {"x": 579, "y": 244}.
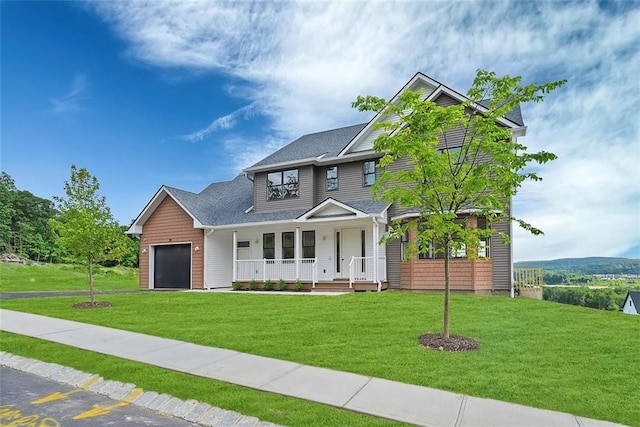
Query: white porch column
{"x": 296, "y": 250}
{"x": 235, "y": 256}
{"x": 376, "y": 237}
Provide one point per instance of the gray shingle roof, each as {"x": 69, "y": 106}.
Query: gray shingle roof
{"x": 329, "y": 142}
{"x": 635, "y": 297}
{"x": 220, "y": 203}
{"x": 514, "y": 115}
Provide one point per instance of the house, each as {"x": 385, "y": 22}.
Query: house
{"x": 632, "y": 303}
{"x": 306, "y": 213}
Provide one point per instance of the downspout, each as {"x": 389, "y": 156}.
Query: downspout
{"x": 376, "y": 260}
{"x": 511, "y": 287}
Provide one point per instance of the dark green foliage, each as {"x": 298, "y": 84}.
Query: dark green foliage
{"x": 24, "y": 222}
{"x": 589, "y": 265}
{"x": 253, "y": 285}
{"x": 25, "y": 228}
{"x": 282, "y": 285}
{"x": 237, "y": 286}
{"x": 602, "y": 299}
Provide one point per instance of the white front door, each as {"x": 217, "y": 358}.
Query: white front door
{"x": 349, "y": 243}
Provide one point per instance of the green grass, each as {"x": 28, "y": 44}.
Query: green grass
{"x": 63, "y": 277}
{"x": 266, "y": 406}
{"x": 564, "y": 358}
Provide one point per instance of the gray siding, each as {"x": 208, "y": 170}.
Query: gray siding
{"x": 501, "y": 256}
{"x": 350, "y": 183}
{"x": 393, "y": 263}
{"x": 445, "y": 100}
{"x": 304, "y": 200}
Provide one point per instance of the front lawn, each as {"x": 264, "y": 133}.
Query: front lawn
{"x": 564, "y": 358}
{"x": 63, "y": 277}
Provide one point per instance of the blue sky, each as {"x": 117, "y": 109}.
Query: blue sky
{"x": 186, "y": 93}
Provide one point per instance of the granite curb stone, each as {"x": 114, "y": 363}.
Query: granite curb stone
{"x": 189, "y": 410}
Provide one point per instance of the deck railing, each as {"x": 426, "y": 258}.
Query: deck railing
{"x": 360, "y": 270}
{"x": 276, "y": 269}
{"x": 528, "y": 282}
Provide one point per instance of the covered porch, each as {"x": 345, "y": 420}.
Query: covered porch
{"x": 330, "y": 247}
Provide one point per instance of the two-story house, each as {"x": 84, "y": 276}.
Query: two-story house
{"x": 305, "y": 213}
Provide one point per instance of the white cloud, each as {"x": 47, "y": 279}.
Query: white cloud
{"x": 73, "y": 99}
{"x": 306, "y": 62}
{"x": 225, "y": 122}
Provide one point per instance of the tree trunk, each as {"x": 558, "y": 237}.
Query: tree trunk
{"x": 91, "y": 292}
{"x": 446, "y": 290}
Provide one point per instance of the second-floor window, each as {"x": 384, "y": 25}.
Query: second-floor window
{"x": 369, "y": 173}
{"x": 282, "y": 184}
{"x": 332, "y": 178}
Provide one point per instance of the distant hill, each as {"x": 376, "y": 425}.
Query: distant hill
{"x": 589, "y": 265}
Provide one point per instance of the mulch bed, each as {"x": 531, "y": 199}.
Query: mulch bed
{"x": 437, "y": 341}
{"x": 95, "y": 304}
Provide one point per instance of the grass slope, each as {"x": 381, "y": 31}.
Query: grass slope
{"x": 63, "y": 277}
{"x": 564, "y": 358}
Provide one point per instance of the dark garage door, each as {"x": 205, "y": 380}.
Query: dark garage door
{"x": 172, "y": 266}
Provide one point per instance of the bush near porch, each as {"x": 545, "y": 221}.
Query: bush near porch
{"x": 564, "y": 358}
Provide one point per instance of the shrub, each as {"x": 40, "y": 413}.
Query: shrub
{"x": 237, "y": 286}
{"x": 298, "y": 285}
{"x": 253, "y": 285}
{"x": 268, "y": 285}
{"x": 282, "y": 285}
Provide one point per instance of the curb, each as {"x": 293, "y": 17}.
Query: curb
{"x": 190, "y": 410}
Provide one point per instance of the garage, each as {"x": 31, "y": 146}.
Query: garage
{"x": 172, "y": 267}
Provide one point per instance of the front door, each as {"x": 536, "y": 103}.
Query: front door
{"x": 349, "y": 243}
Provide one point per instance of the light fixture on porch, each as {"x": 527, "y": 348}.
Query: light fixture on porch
{"x": 144, "y": 251}
{"x": 197, "y": 248}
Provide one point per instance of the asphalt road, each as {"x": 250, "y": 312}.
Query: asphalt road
{"x": 27, "y": 399}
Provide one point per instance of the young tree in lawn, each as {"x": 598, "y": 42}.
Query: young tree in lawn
{"x": 445, "y": 176}
{"x": 85, "y": 226}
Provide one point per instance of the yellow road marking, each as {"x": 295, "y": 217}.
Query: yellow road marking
{"x": 99, "y": 410}
{"x": 58, "y": 396}
{"x": 53, "y": 397}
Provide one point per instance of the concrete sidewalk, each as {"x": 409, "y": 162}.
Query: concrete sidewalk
{"x": 375, "y": 396}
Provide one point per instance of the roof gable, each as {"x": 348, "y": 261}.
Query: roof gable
{"x": 162, "y": 193}
{"x": 331, "y": 208}
{"x": 432, "y": 90}
{"x": 635, "y": 297}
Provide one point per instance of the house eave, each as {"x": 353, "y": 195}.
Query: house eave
{"x": 314, "y": 161}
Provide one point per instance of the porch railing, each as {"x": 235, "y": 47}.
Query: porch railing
{"x": 276, "y": 269}
{"x": 360, "y": 270}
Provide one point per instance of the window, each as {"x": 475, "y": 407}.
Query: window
{"x": 369, "y": 173}
{"x": 338, "y": 259}
{"x": 454, "y": 153}
{"x": 332, "y": 178}
{"x": 282, "y": 185}
{"x": 288, "y": 249}
{"x": 308, "y": 244}
{"x": 484, "y": 245}
{"x": 404, "y": 245}
{"x": 269, "y": 245}
{"x": 244, "y": 244}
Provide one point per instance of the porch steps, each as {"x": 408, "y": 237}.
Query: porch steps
{"x": 343, "y": 286}
{"x": 333, "y": 286}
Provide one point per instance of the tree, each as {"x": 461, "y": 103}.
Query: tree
{"x": 86, "y": 227}
{"x": 6, "y": 212}
{"x": 457, "y": 159}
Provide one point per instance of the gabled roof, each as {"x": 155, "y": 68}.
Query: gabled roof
{"x": 635, "y": 297}
{"x": 217, "y": 203}
{"x": 327, "y": 143}
{"x": 332, "y": 208}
